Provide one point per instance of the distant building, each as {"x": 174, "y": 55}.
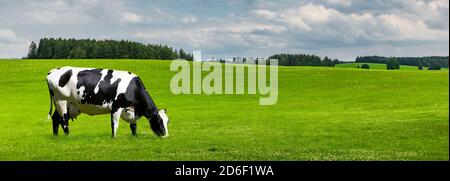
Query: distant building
{"x": 229, "y": 60}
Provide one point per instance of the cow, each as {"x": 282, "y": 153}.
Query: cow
{"x": 93, "y": 91}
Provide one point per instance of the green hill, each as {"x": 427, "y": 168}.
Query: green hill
{"x": 380, "y": 66}
{"x": 322, "y": 113}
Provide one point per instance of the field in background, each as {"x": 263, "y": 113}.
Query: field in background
{"x": 322, "y": 114}
{"x": 379, "y": 66}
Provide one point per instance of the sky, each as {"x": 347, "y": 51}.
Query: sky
{"x": 340, "y": 29}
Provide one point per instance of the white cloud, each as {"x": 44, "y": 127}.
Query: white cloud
{"x": 260, "y": 27}
{"x": 340, "y": 2}
{"x": 318, "y": 21}
{"x": 218, "y": 33}
{"x": 267, "y": 14}
{"x": 314, "y": 13}
{"x": 129, "y": 17}
{"x": 401, "y": 28}
{"x": 12, "y": 46}
{"x": 189, "y": 19}
{"x": 7, "y": 35}
{"x": 52, "y": 12}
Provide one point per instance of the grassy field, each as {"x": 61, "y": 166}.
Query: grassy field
{"x": 322, "y": 114}
{"x": 379, "y": 66}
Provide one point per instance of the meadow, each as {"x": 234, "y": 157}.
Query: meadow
{"x": 322, "y": 113}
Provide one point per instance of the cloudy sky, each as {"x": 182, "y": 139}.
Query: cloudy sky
{"x": 340, "y": 29}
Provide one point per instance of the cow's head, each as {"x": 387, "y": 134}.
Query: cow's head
{"x": 159, "y": 122}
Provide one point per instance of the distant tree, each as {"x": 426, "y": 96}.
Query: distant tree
{"x": 392, "y": 64}
{"x": 32, "y": 51}
{"x": 57, "y": 49}
{"x": 95, "y": 50}
{"x": 166, "y": 53}
{"x": 299, "y": 60}
{"x": 335, "y": 61}
{"x": 434, "y": 66}
{"x": 327, "y": 62}
{"x": 183, "y": 55}
{"x": 365, "y": 66}
{"x": 44, "y": 49}
{"x": 420, "y": 66}
{"x": 413, "y": 61}
{"x": 90, "y": 48}
{"x": 77, "y": 53}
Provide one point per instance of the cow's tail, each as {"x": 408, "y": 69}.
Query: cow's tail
{"x": 50, "y": 91}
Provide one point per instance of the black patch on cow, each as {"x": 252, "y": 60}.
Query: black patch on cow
{"x": 65, "y": 78}
{"x": 134, "y": 96}
{"x": 56, "y": 120}
{"x": 137, "y": 97}
{"x": 156, "y": 123}
{"x": 129, "y": 73}
{"x": 112, "y": 126}
{"x": 65, "y": 123}
{"x": 106, "y": 89}
{"x": 133, "y": 128}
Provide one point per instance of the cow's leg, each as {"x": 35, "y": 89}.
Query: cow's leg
{"x": 56, "y": 121}
{"x": 115, "y": 117}
{"x": 61, "y": 107}
{"x": 66, "y": 123}
{"x": 133, "y": 128}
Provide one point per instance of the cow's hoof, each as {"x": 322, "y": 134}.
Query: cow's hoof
{"x": 164, "y": 137}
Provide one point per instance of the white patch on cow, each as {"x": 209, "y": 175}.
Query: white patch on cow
{"x": 103, "y": 72}
{"x": 162, "y": 114}
{"x": 53, "y": 81}
{"x": 90, "y": 109}
{"x": 116, "y": 76}
{"x": 61, "y": 107}
{"x": 115, "y": 120}
{"x": 128, "y": 115}
{"x": 125, "y": 79}
{"x": 81, "y": 92}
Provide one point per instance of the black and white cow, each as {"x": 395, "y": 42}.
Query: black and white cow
{"x": 93, "y": 91}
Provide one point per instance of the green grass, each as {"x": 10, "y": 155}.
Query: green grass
{"x": 379, "y": 66}
{"x": 321, "y": 114}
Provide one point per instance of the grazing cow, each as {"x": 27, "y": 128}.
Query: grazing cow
{"x": 93, "y": 91}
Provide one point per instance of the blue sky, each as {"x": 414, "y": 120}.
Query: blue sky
{"x": 340, "y": 29}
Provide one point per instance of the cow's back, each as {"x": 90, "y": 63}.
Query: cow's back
{"x": 60, "y": 81}
{"x": 88, "y": 86}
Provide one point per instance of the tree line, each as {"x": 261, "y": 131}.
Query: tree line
{"x": 431, "y": 61}
{"x": 303, "y": 60}
{"x": 52, "y": 48}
